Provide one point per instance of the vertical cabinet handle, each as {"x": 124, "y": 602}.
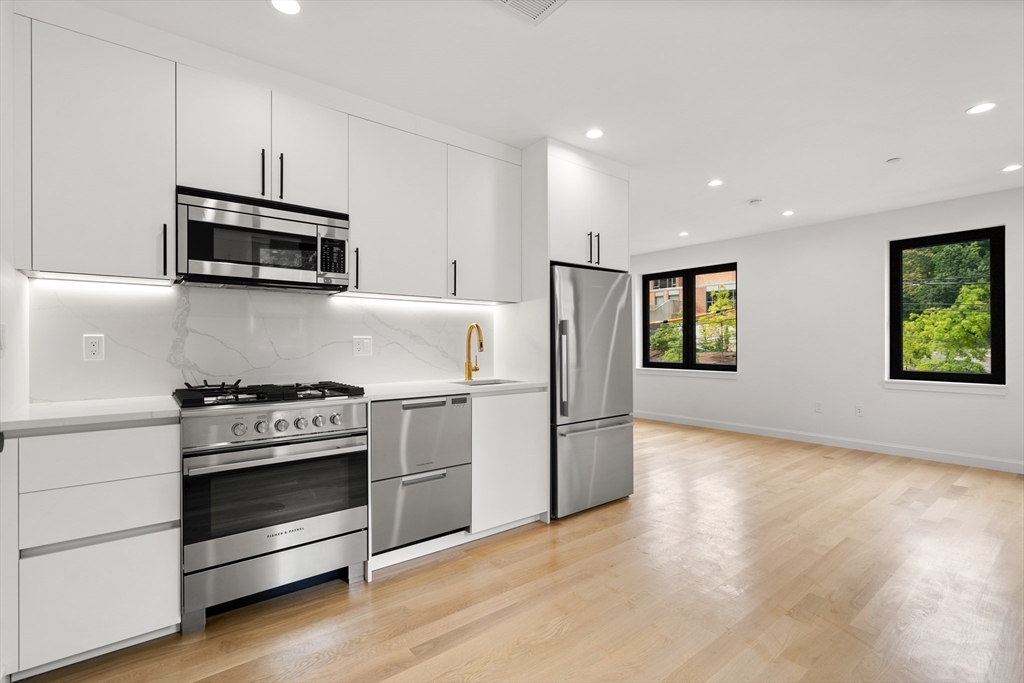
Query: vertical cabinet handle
{"x": 455, "y": 278}
{"x": 281, "y": 195}
{"x": 165, "y": 250}
{"x": 263, "y": 172}
{"x": 357, "y": 267}
{"x": 598, "y": 247}
{"x": 590, "y": 237}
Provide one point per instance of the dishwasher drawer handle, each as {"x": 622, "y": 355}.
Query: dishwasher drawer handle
{"x": 425, "y": 477}
{"x": 432, "y": 403}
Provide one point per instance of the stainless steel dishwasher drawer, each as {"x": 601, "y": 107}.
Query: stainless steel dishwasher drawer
{"x": 419, "y": 506}
{"x": 419, "y": 435}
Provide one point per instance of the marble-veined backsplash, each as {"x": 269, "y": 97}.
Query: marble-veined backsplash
{"x": 157, "y": 338}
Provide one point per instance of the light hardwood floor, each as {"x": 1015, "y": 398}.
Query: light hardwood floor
{"x": 738, "y": 558}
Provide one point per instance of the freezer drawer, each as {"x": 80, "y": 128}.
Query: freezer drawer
{"x": 419, "y": 435}
{"x": 419, "y": 506}
{"x": 594, "y": 464}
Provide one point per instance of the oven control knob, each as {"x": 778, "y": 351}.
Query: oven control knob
{"x": 238, "y": 429}
{"x": 335, "y": 419}
{"x": 318, "y": 420}
{"x": 262, "y": 426}
{"x": 300, "y": 423}
{"x": 281, "y": 425}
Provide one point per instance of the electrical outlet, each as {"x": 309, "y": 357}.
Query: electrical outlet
{"x": 858, "y": 411}
{"x": 92, "y": 347}
{"x": 362, "y": 346}
{"x": 819, "y": 406}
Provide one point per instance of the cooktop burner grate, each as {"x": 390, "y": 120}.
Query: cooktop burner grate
{"x": 208, "y": 394}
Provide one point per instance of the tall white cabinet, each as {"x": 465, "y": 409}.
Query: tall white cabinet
{"x": 398, "y": 209}
{"x": 102, "y": 157}
{"x": 588, "y": 215}
{"x": 484, "y": 227}
{"x": 223, "y": 134}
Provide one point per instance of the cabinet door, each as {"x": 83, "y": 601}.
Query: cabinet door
{"x": 582, "y": 204}
{"x": 310, "y": 159}
{"x": 609, "y": 198}
{"x": 398, "y": 206}
{"x": 510, "y": 458}
{"x": 102, "y": 121}
{"x": 77, "y": 600}
{"x": 223, "y": 134}
{"x": 484, "y": 227}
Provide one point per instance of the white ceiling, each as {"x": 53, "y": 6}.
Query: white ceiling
{"x": 799, "y": 103}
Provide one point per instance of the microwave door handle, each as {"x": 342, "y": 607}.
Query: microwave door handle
{"x": 275, "y": 460}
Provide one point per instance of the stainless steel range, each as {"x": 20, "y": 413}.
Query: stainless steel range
{"x": 274, "y": 489}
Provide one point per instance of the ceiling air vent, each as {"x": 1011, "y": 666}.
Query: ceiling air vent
{"x": 533, "y": 11}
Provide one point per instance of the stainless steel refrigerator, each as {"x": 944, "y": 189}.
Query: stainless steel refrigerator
{"x": 592, "y": 376}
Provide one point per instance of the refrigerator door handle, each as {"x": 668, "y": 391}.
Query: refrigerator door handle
{"x": 563, "y": 369}
{"x": 595, "y": 431}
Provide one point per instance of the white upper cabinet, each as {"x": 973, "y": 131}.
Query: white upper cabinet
{"x": 310, "y": 158}
{"x": 588, "y": 216}
{"x": 484, "y": 227}
{"x": 398, "y": 211}
{"x": 224, "y": 136}
{"x": 102, "y": 157}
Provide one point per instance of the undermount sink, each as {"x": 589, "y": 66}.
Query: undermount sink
{"x": 484, "y": 382}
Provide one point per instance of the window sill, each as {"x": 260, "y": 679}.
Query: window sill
{"x": 946, "y": 387}
{"x": 674, "y": 372}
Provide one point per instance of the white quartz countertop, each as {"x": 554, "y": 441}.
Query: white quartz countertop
{"x": 399, "y": 390}
{"x": 64, "y": 414}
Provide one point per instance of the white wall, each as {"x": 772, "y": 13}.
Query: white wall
{"x": 812, "y": 326}
{"x": 157, "y": 338}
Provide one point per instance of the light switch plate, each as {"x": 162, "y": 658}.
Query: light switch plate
{"x": 362, "y": 346}
{"x": 92, "y": 347}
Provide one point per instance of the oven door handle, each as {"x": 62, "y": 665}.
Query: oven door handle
{"x": 274, "y": 460}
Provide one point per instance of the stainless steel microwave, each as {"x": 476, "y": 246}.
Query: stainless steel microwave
{"x": 230, "y": 241}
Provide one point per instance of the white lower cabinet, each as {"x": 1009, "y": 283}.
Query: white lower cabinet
{"x": 510, "y": 458}
{"x": 77, "y": 600}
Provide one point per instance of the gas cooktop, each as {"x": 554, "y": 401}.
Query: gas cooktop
{"x": 223, "y": 393}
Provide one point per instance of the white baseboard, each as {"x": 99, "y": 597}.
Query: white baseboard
{"x": 951, "y": 457}
{"x": 434, "y": 545}
{"x": 74, "y": 659}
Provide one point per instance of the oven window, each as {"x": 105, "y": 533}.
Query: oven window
{"x": 231, "y": 502}
{"x": 225, "y": 244}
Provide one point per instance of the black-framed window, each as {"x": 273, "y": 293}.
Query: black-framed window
{"x": 693, "y": 331}
{"x": 947, "y": 307}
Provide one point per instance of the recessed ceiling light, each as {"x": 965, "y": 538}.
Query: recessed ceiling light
{"x": 715, "y": 183}
{"x": 594, "y": 133}
{"x": 787, "y": 213}
{"x": 683, "y": 234}
{"x": 894, "y": 160}
{"x": 286, "y": 6}
{"x": 982, "y": 108}
{"x": 1012, "y": 167}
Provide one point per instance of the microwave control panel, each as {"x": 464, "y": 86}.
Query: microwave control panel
{"x": 332, "y": 255}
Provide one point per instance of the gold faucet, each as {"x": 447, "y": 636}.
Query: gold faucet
{"x": 473, "y": 367}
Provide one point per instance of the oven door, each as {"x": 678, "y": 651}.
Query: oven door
{"x": 228, "y": 244}
{"x": 242, "y": 503}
